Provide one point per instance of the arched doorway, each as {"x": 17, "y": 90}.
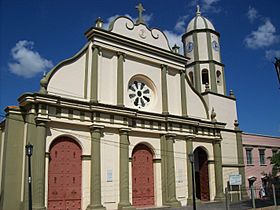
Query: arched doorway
{"x": 201, "y": 174}
{"x": 64, "y": 179}
{"x": 142, "y": 176}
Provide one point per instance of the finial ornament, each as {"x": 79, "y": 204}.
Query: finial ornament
{"x": 198, "y": 10}
{"x": 140, "y": 9}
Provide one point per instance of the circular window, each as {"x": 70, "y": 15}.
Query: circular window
{"x": 139, "y": 93}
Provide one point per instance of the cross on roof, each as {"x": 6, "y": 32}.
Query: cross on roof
{"x": 140, "y": 9}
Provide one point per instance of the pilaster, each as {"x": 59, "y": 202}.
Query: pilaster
{"x": 189, "y": 149}
{"x": 94, "y": 74}
{"x": 13, "y": 161}
{"x": 171, "y": 184}
{"x": 240, "y": 159}
{"x": 218, "y": 170}
{"x": 95, "y": 169}
{"x": 183, "y": 93}
{"x": 164, "y": 89}
{"x": 38, "y": 140}
{"x": 124, "y": 170}
{"x": 120, "y": 89}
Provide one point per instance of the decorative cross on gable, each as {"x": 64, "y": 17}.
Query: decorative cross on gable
{"x": 140, "y": 9}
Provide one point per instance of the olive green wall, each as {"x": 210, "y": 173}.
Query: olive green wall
{"x": 13, "y": 161}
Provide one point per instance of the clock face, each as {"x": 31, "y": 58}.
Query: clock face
{"x": 215, "y": 45}
{"x": 189, "y": 46}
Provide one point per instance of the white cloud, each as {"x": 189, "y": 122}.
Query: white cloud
{"x": 26, "y": 61}
{"x": 264, "y": 36}
{"x": 173, "y": 39}
{"x": 181, "y": 24}
{"x": 271, "y": 54}
{"x": 209, "y": 6}
{"x": 252, "y": 14}
{"x": 147, "y": 18}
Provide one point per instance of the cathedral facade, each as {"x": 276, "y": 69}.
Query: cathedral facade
{"x": 113, "y": 126}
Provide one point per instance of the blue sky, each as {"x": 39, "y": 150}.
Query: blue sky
{"x": 36, "y": 35}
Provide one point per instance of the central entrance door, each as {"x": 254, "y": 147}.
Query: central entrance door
{"x": 201, "y": 174}
{"x": 64, "y": 181}
{"x": 142, "y": 176}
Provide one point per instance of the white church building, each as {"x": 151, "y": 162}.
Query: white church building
{"x": 112, "y": 126}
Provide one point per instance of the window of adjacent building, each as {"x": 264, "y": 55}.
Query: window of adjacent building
{"x": 249, "y": 156}
{"x": 262, "y": 156}
{"x": 218, "y": 76}
{"x": 205, "y": 77}
{"x": 191, "y": 76}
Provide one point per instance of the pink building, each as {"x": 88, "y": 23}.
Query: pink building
{"x": 257, "y": 150}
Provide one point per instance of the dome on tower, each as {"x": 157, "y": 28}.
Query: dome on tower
{"x": 199, "y": 22}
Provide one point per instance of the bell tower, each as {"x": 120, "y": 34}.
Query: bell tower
{"x": 202, "y": 45}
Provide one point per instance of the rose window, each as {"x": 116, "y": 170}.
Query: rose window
{"x": 139, "y": 94}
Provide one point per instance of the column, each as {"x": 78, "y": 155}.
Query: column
{"x": 171, "y": 184}
{"x": 95, "y": 169}
{"x": 189, "y": 149}
{"x": 218, "y": 170}
{"x": 13, "y": 159}
{"x": 240, "y": 159}
{"x": 38, "y": 163}
{"x": 94, "y": 74}
{"x": 164, "y": 89}
{"x": 183, "y": 93}
{"x": 124, "y": 170}
{"x": 120, "y": 99}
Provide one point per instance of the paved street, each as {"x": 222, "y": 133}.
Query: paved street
{"x": 245, "y": 205}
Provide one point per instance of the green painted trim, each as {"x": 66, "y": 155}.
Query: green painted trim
{"x": 70, "y": 114}
{"x": 43, "y": 109}
{"x": 233, "y": 165}
{"x": 224, "y": 80}
{"x": 112, "y": 117}
{"x": 120, "y": 84}
{"x": 124, "y": 170}
{"x": 58, "y": 112}
{"x": 197, "y": 76}
{"x": 94, "y": 74}
{"x": 213, "y": 78}
{"x": 183, "y": 94}
{"x": 201, "y": 31}
{"x": 156, "y": 160}
{"x": 189, "y": 149}
{"x": 86, "y": 75}
{"x": 195, "y": 49}
{"x": 170, "y": 167}
{"x": 218, "y": 170}
{"x": 163, "y": 169}
{"x": 38, "y": 162}
{"x": 164, "y": 89}
{"x": 95, "y": 168}
{"x": 203, "y": 62}
{"x": 209, "y": 46}
{"x": 13, "y": 161}
{"x": 82, "y": 116}
{"x": 86, "y": 157}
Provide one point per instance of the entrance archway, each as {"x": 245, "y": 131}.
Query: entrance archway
{"x": 142, "y": 176}
{"x": 201, "y": 174}
{"x": 64, "y": 175}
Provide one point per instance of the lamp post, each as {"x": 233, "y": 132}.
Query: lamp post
{"x": 191, "y": 158}
{"x": 277, "y": 68}
{"x": 28, "y": 153}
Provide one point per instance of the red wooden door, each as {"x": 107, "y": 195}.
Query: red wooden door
{"x": 142, "y": 176}
{"x": 65, "y": 169}
{"x": 203, "y": 175}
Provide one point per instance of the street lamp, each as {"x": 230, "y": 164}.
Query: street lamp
{"x": 28, "y": 153}
{"x": 191, "y": 158}
{"x": 277, "y": 68}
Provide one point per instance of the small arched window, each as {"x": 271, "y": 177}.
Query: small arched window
{"x": 219, "y": 77}
{"x": 205, "y": 77}
{"x": 191, "y": 76}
